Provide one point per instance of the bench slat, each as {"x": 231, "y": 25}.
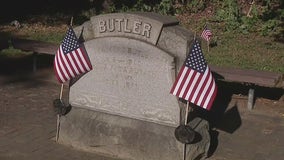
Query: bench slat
{"x": 35, "y": 46}
{"x": 249, "y": 79}
{"x": 263, "y": 78}
{"x": 245, "y": 72}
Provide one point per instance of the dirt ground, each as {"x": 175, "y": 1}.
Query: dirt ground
{"x": 26, "y": 100}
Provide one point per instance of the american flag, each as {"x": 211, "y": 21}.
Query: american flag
{"x": 71, "y": 58}
{"x": 206, "y": 33}
{"x": 195, "y": 82}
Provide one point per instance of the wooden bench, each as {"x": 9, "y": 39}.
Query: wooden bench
{"x": 260, "y": 78}
{"x": 37, "y": 47}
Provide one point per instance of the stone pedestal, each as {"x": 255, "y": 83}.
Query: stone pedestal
{"x": 118, "y": 136}
{"x": 127, "y": 138}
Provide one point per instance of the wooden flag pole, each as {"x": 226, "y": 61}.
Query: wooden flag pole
{"x": 186, "y": 113}
{"x": 185, "y": 123}
{"x": 60, "y": 98}
{"x": 71, "y": 21}
{"x": 184, "y": 150}
{"x": 58, "y": 115}
{"x": 208, "y": 45}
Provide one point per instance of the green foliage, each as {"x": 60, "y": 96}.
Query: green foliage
{"x": 141, "y": 6}
{"x": 196, "y": 6}
{"x": 269, "y": 27}
{"x": 281, "y": 14}
{"x": 165, "y": 7}
{"x": 265, "y": 18}
{"x": 249, "y": 24}
{"x": 228, "y": 14}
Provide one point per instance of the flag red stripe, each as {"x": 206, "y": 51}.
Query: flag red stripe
{"x": 187, "y": 92}
{"x": 59, "y": 67}
{"x": 73, "y": 64}
{"x": 64, "y": 65}
{"x": 79, "y": 54}
{"x": 214, "y": 89}
{"x": 193, "y": 91}
{"x": 206, "y": 95}
{"x": 67, "y": 64}
{"x": 190, "y": 80}
{"x": 56, "y": 71}
{"x": 183, "y": 84}
{"x": 70, "y": 68}
{"x": 178, "y": 77}
{"x": 212, "y": 99}
{"x": 201, "y": 87}
{"x": 86, "y": 58}
{"x": 210, "y": 91}
{"x": 76, "y": 64}
{"x": 202, "y": 90}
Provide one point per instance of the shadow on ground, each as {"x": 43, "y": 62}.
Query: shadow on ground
{"x": 227, "y": 118}
{"x": 19, "y": 68}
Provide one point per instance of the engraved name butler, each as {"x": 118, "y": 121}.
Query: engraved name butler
{"x": 127, "y": 25}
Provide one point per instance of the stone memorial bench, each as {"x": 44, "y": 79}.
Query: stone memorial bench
{"x": 246, "y": 76}
{"x": 35, "y": 46}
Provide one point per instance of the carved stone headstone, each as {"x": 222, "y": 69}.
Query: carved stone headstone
{"x": 130, "y": 79}
{"x": 123, "y": 107}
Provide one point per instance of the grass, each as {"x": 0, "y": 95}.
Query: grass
{"x": 35, "y": 31}
{"x": 247, "y": 52}
{"x": 11, "y": 52}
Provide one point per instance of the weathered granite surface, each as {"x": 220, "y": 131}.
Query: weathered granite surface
{"x": 130, "y": 79}
{"x": 123, "y": 107}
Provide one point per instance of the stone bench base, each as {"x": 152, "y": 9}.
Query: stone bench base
{"x": 127, "y": 138}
